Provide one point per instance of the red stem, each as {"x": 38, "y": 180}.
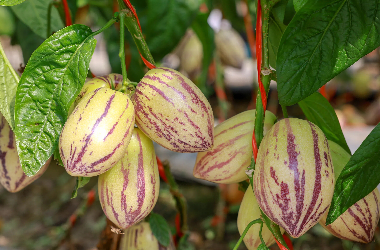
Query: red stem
{"x": 161, "y": 170}
{"x": 67, "y": 13}
{"x": 288, "y": 242}
{"x": 322, "y": 90}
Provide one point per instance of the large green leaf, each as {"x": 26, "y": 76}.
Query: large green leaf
{"x": 359, "y": 177}
{"x": 206, "y": 35}
{"x": 27, "y": 39}
{"x": 10, "y": 2}
{"x": 160, "y": 228}
{"x": 324, "y": 38}
{"x": 276, "y": 29}
{"x": 298, "y": 4}
{"x": 52, "y": 79}
{"x": 167, "y": 23}
{"x": 320, "y": 112}
{"x": 34, "y": 14}
{"x": 8, "y": 85}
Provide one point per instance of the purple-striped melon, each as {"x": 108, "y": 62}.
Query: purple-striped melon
{"x": 97, "y": 133}
{"x": 294, "y": 176}
{"x": 173, "y": 112}
{"x": 231, "y": 154}
{"x": 249, "y": 211}
{"x": 141, "y": 237}
{"x": 12, "y": 177}
{"x": 129, "y": 190}
{"x": 358, "y": 222}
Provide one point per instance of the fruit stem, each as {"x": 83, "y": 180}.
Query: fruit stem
{"x": 122, "y": 48}
{"x": 246, "y": 231}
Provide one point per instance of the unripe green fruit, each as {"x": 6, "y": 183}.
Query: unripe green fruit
{"x": 230, "y": 47}
{"x": 249, "y": 211}
{"x": 359, "y": 222}
{"x": 97, "y": 133}
{"x": 12, "y": 177}
{"x": 227, "y": 161}
{"x": 192, "y": 55}
{"x": 173, "y": 112}
{"x": 111, "y": 81}
{"x": 294, "y": 176}
{"x": 129, "y": 191}
{"x": 140, "y": 237}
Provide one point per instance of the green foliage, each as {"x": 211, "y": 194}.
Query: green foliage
{"x": 320, "y": 112}
{"x": 7, "y": 21}
{"x": 52, "y": 79}
{"x": 10, "y": 2}
{"x": 80, "y": 182}
{"x": 167, "y": 22}
{"x": 28, "y": 40}
{"x": 323, "y": 39}
{"x": 358, "y": 178}
{"x": 34, "y": 13}
{"x": 160, "y": 228}
{"x": 298, "y": 4}
{"x": 8, "y": 85}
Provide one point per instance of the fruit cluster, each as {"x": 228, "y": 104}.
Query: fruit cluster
{"x": 293, "y": 181}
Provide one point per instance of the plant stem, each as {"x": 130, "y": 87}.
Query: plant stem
{"x": 246, "y": 231}
{"x": 48, "y": 31}
{"x": 106, "y": 26}
{"x": 219, "y": 89}
{"x": 284, "y": 111}
{"x": 122, "y": 48}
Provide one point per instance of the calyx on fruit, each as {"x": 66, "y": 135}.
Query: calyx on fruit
{"x": 294, "y": 176}
{"x": 173, "y": 112}
{"x": 358, "y": 222}
{"x": 97, "y": 133}
{"x": 129, "y": 190}
{"x": 12, "y": 177}
{"x": 140, "y": 237}
{"x": 249, "y": 211}
{"x": 227, "y": 161}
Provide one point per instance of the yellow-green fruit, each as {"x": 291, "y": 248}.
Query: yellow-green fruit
{"x": 359, "y": 222}
{"x": 12, "y": 177}
{"x": 129, "y": 191}
{"x": 173, "y": 112}
{"x": 111, "y": 81}
{"x": 230, "y": 47}
{"x": 140, "y": 237}
{"x": 97, "y": 133}
{"x": 294, "y": 177}
{"x": 192, "y": 55}
{"x": 249, "y": 211}
{"x": 227, "y": 161}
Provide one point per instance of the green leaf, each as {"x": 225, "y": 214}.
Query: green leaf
{"x": 320, "y": 112}
{"x": 167, "y": 23}
{"x": 160, "y": 228}
{"x": 324, "y": 38}
{"x": 298, "y": 4}
{"x": 358, "y": 178}
{"x": 206, "y": 35}
{"x": 8, "y": 85}
{"x": 276, "y": 29}
{"x": 7, "y": 21}
{"x": 52, "y": 79}
{"x": 10, "y": 2}
{"x": 34, "y": 14}
{"x": 57, "y": 157}
{"x": 28, "y": 40}
{"x": 262, "y": 247}
{"x": 80, "y": 182}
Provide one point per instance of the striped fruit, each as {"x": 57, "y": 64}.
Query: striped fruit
{"x": 231, "y": 47}
{"x": 97, "y": 133}
{"x": 359, "y": 222}
{"x": 173, "y": 112}
{"x": 140, "y": 237}
{"x": 227, "y": 161}
{"x": 294, "y": 176}
{"x": 192, "y": 55}
{"x": 111, "y": 81}
{"x": 249, "y": 211}
{"x": 129, "y": 191}
{"x": 12, "y": 177}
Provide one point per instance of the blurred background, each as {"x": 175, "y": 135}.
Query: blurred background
{"x": 211, "y": 42}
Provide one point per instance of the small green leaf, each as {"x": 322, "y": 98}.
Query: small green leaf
{"x": 298, "y": 4}
{"x": 320, "y": 112}
{"x": 8, "y": 85}
{"x": 160, "y": 228}
{"x": 52, "y": 79}
{"x": 10, "y": 2}
{"x": 57, "y": 157}
{"x": 262, "y": 247}
{"x": 34, "y": 14}
{"x": 358, "y": 178}
{"x": 324, "y": 38}
{"x": 80, "y": 182}
{"x": 167, "y": 23}
{"x": 206, "y": 35}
